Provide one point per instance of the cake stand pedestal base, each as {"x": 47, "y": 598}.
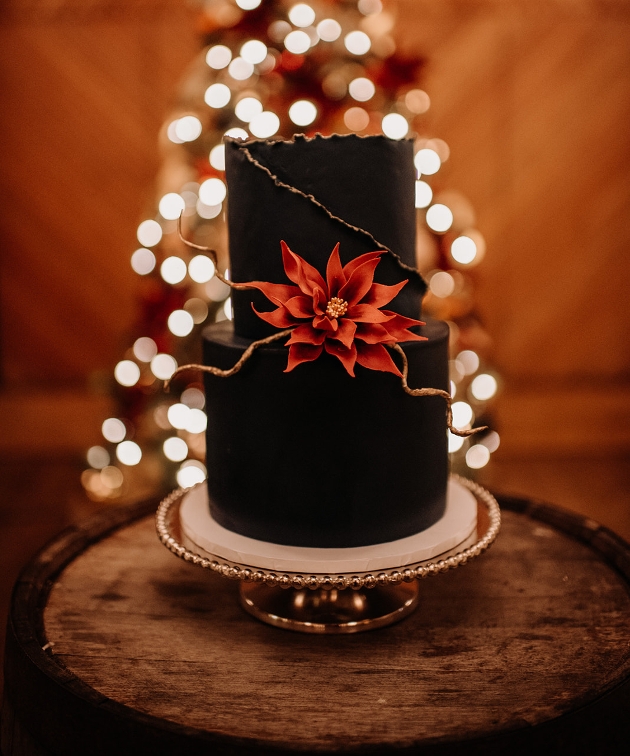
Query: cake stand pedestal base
{"x": 329, "y": 611}
{"x": 331, "y": 590}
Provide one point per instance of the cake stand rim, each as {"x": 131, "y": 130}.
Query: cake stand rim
{"x": 457, "y": 525}
{"x": 454, "y": 557}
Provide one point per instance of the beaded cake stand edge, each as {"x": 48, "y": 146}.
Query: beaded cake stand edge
{"x": 376, "y": 600}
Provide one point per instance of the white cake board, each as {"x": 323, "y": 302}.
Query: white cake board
{"x": 206, "y": 537}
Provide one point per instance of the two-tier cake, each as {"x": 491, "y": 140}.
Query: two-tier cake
{"x": 315, "y": 442}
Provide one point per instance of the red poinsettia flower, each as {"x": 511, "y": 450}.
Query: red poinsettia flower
{"x": 341, "y": 314}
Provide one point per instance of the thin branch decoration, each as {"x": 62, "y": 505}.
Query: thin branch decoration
{"x": 213, "y": 256}
{"x": 286, "y": 332}
{"x": 435, "y": 392}
{"x": 313, "y": 200}
{"x": 235, "y": 368}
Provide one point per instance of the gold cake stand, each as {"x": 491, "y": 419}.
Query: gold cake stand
{"x": 337, "y": 602}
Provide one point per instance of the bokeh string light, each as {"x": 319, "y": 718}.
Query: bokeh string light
{"x": 269, "y": 69}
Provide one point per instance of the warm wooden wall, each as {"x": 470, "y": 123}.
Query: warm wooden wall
{"x": 85, "y": 87}
{"x": 84, "y": 96}
{"x": 531, "y": 95}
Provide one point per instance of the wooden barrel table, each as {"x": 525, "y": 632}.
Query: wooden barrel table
{"x": 115, "y": 646}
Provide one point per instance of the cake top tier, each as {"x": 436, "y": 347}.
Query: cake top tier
{"x": 314, "y": 193}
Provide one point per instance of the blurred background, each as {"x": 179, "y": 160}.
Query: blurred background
{"x": 533, "y": 101}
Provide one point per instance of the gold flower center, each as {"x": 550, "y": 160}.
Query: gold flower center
{"x": 336, "y": 307}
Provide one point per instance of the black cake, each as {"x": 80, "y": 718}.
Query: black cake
{"x": 316, "y": 457}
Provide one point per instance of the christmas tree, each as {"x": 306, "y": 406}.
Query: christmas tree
{"x": 271, "y": 68}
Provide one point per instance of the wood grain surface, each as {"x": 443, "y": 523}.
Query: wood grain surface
{"x": 535, "y": 630}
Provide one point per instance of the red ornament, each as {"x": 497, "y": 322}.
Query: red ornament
{"x": 341, "y": 314}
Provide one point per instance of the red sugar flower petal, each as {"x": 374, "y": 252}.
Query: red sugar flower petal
{"x": 300, "y": 307}
{"x": 360, "y": 260}
{"x": 306, "y": 334}
{"x": 340, "y": 314}
{"x": 372, "y": 333}
{"x": 397, "y": 328}
{"x": 279, "y": 318}
{"x": 320, "y": 301}
{"x": 345, "y": 332}
{"x": 335, "y": 277}
{"x": 346, "y": 355}
{"x": 277, "y": 293}
{"x": 376, "y": 357}
{"x": 299, "y": 353}
{"x": 359, "y": 283}
{"x": 325, "y": 323}
{"x": 300, "y": 272}
{"x": 380, "y": 294}
{"x": 363, "y": 313}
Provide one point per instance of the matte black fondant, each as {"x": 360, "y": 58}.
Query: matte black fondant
{"x": 317, "y": 458}
{"x": 368, "y": 182}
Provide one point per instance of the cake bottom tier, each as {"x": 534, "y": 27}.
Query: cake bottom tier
{"x": 317, "y": 458}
